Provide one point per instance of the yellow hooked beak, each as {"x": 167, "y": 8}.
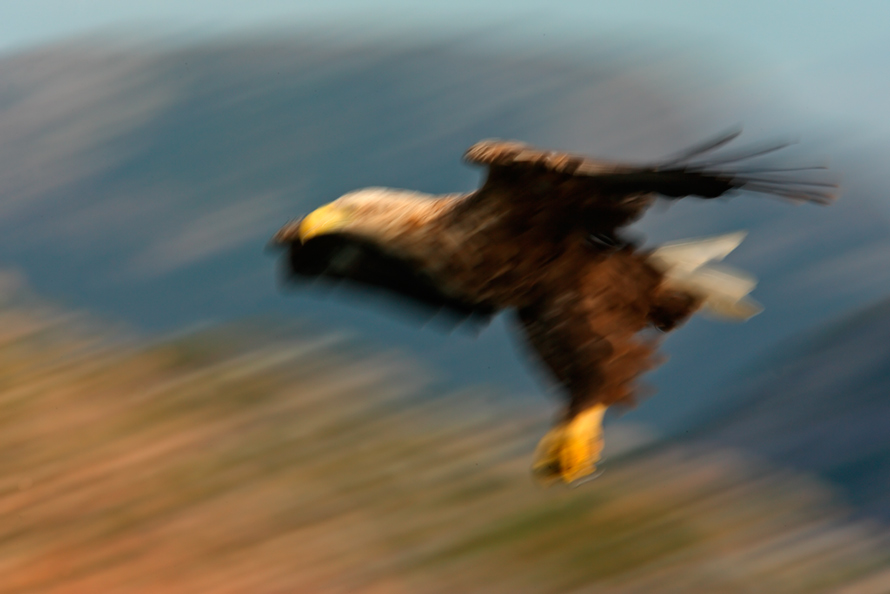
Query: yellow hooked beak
{"x": 327, "y": 219}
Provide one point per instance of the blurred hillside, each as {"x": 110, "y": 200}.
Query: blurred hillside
{"x": 238, "y": 459}
{"x": 821, "y": 404}
{"x": 141, "y": 181}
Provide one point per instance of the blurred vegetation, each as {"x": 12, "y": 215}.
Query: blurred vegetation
{"x": 243, "y": 460}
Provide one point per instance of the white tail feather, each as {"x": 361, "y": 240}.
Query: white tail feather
{"x": 723, "y": 289}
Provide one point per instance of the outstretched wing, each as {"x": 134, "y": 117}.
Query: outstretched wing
{"x": 332, "y": 258}
{"x": 606, "y": 195}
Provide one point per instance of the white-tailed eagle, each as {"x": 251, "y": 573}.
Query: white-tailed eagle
{"x": 541, "y": 238}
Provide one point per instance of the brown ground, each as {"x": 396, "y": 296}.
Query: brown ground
{"x": 231, "y": 462}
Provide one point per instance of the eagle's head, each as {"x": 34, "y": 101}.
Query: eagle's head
{"x": 380, "y": 215}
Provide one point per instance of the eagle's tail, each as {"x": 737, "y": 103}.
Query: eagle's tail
{"x": 723, "y": 290}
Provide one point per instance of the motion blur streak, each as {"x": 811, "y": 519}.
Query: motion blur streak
{"x": 235, "y": 461}
{"x": 140, "y": 181}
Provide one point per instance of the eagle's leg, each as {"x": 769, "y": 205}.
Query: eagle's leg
{"x": 586, "y": 334}
{"x": 571, "y": 450}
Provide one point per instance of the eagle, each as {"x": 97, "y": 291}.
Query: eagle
{"x": 542, "y": 238}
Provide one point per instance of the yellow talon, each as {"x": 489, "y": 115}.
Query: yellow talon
{"x": 570, "y": 451}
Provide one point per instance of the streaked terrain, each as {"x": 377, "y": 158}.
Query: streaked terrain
{"x": 242, "y": 459}
{"x": 819, "y": 403}
{"x": 139, "y": 182}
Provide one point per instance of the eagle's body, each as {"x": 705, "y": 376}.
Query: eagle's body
{"x": 540, "y": 237}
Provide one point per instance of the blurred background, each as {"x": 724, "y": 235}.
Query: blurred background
{"x": 174, "y": 419}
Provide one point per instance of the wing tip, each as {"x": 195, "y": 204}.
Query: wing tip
{"x": 751, "y": 178}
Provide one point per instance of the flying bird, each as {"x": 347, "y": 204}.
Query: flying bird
{"x": 542, "y": 238}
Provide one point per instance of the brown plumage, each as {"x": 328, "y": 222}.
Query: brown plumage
{"x": 541, "y": 237}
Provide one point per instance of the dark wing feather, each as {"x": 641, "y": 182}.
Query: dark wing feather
{"x": 362, "y": 265}
{"x": 692, "y": 172}
{"x": 707, "y": 146}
